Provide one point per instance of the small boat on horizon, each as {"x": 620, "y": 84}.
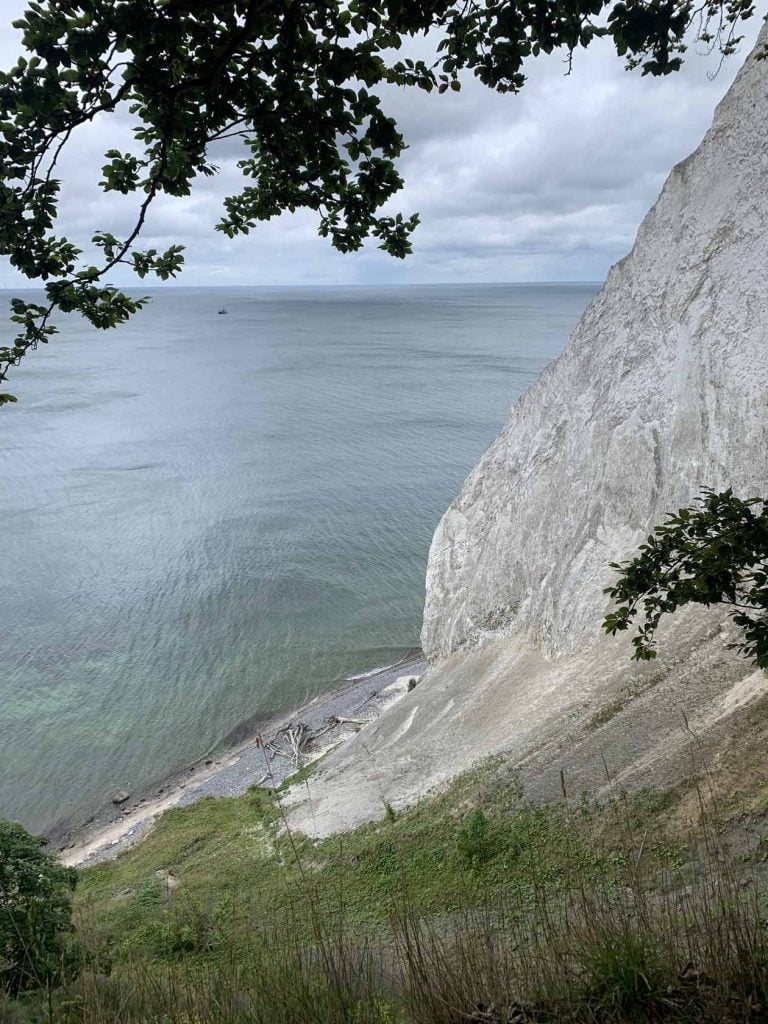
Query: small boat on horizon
{"x": 222, "y": 311}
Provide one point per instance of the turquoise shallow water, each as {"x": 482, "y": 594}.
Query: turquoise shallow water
{"x": 208, "y": 519}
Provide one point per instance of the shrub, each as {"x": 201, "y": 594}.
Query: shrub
{"x": 626, "y": 977}
{"x": 35, "y": 911}
{"x": 475, "y": 843}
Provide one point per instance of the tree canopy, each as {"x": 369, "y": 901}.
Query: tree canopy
{"x": 713, "y": 552}
{"x": 35, "y": 910}
{"x": 299, "y": 82}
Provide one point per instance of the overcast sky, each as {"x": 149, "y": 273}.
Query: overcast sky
{"x": 549, "y": 185}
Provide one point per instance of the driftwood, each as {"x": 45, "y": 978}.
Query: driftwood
{"x": 330, "y": 724}
{"x": 297, "y": 736}
{"x": 276, "y": 751}
{"x": 298, "y": 739}
{"x": 371, "y": 696}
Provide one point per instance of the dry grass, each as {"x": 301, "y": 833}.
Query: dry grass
{"x": 689, "y": 945}
{"x": 691, "y": 953}
{"x": 546, "y": 929}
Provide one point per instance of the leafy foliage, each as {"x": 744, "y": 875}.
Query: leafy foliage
{"x": 295, "y": 80}
{"x": 475, "y": 843}
{"x": 714, "y": 552}
{"x": 35, "y": 910}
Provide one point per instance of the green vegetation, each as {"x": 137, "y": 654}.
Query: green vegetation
{"x": 300, "y": 83}
{"x": 472, "y": 906}
{"x": 715, "y": 552}
{"x": 35, "y": 912}
{"x": 433, "y": 856}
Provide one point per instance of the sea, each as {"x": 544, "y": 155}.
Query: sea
{"x": 209, "y": 518}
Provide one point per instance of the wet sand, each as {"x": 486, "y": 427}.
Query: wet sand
{"x": 265, "y": 759}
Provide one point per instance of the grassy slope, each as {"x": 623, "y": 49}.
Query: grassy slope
{"x": 230, "y": 859}
{"x": 436, "y": 855}
{"x": 587, "y": 913}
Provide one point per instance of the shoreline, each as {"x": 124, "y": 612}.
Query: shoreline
{"x": 268, "y": 757}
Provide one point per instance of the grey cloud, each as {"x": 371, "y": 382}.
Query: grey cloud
{"x": 547, "y": 185}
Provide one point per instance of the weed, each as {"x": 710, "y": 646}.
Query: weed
{"x": 475, "y": 843}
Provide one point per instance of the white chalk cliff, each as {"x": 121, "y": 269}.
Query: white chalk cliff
{"x": 662, "y": 390}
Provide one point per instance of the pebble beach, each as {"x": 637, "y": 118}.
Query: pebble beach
{"x": 265, "y": 759}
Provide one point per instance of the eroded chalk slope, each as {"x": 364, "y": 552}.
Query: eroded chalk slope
{"x": 662, "y": 390}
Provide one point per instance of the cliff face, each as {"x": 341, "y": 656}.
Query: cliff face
{"x": 662, "y": 390}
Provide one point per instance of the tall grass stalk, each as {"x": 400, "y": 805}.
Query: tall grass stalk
{"x": 685, "y": 943}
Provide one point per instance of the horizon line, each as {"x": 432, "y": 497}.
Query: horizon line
{"x": 384, "y": 284}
